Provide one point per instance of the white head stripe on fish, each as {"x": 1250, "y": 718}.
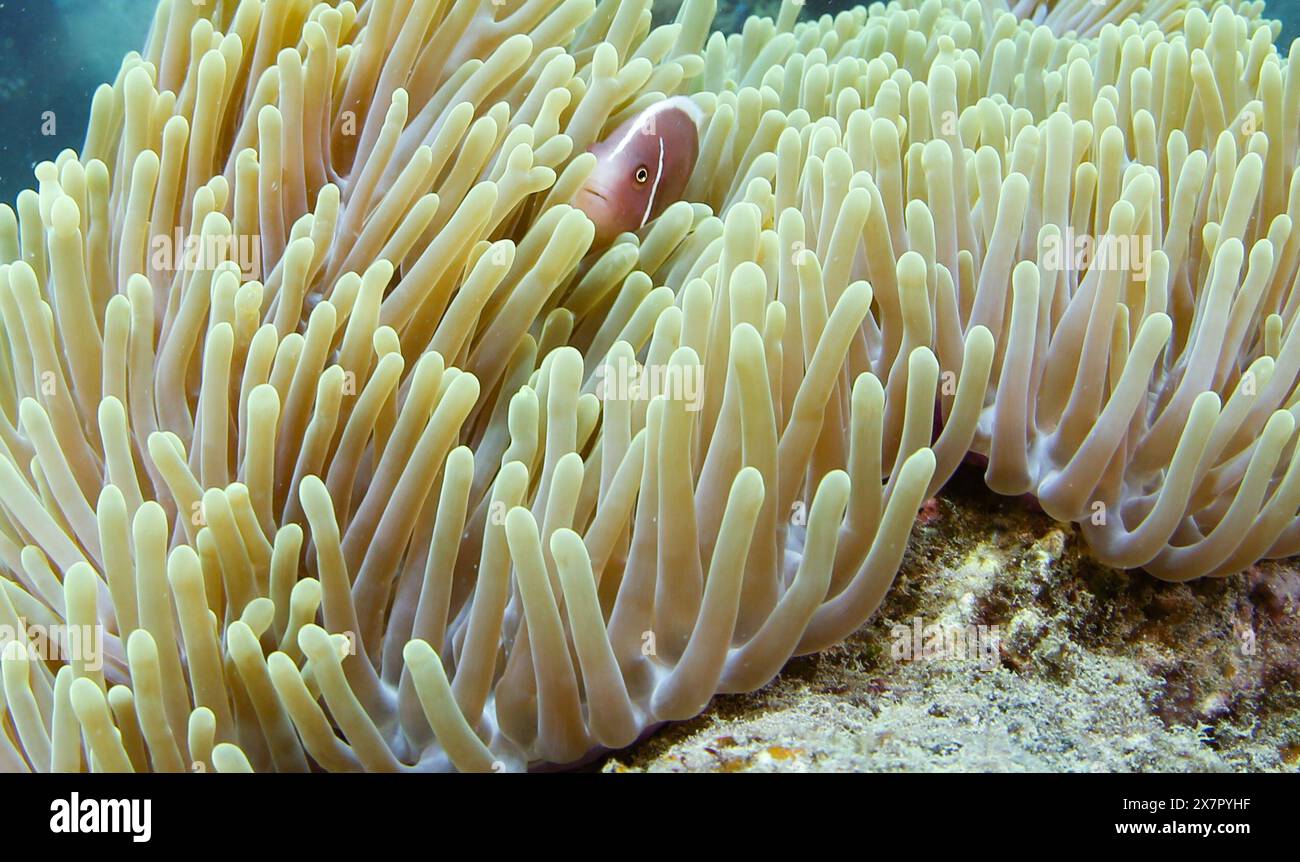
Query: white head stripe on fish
{"x": 617, "y": 195}
{"x": 647, "y": 119}
{"x": 654, "y": 190}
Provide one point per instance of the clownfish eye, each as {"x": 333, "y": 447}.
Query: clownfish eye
{"x": 642, "y": 175}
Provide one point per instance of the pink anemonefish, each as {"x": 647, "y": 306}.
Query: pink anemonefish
{"x": 641, "y": 168}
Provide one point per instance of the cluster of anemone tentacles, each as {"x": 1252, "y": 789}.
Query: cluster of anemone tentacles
{"x": 350, "y": 488}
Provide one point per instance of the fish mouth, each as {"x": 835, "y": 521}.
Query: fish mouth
{"x": 604, "y": 210}
{"x": 597, "y": 203}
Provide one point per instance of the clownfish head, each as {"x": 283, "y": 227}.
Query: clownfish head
{"x": 641, "y": 168}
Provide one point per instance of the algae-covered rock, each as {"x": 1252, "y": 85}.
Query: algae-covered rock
{"x": 1003, "y": 647}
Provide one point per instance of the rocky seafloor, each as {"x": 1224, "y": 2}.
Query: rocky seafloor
{"x": 1094, "y": 669}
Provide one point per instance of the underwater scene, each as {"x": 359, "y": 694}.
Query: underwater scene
{"x": 620, "y": 386}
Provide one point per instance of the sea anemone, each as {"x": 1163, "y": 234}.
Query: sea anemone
{"x": 319, "y": 406}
